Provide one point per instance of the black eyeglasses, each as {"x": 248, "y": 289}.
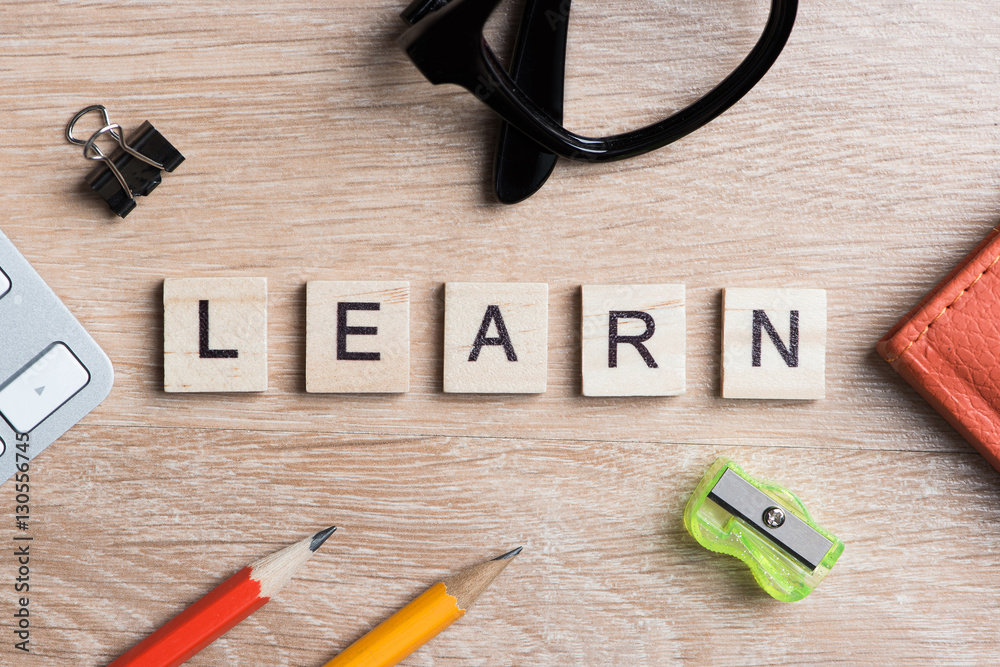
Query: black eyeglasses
{"x": 446, "y": 43}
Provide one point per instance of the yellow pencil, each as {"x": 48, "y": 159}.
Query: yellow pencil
{"x": 415, "y": 624}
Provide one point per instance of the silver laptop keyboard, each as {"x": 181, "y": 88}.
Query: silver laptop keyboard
{"x": 52, "y": 372}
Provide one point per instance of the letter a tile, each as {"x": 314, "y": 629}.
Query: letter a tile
{"x": 774, "y": 343}
{"x": 215, "y": 334}
{"x": 633, "y": 340}
{"x": 357, "y": 337}
{"x": 496, "y": 338}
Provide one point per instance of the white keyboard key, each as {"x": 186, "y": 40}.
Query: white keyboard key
{"x": 37, "y": 390}
{"x": 4, "y": 283}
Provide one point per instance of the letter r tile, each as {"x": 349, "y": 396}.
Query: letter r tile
{"x": 496, "y": 338}
{"x": 633, "y": 340}
{"x": 773, "y": 343}
{"x": 214, "y": 334}
{"x": 357, "y": 337}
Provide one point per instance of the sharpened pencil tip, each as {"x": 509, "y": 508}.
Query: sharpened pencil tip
{"x": 509, "y": 554}
{"x": 320, "y": 537}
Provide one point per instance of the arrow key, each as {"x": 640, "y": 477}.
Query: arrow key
{"x": 41, "y": 387}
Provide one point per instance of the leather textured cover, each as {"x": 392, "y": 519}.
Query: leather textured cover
{"x": 948, "y": 347}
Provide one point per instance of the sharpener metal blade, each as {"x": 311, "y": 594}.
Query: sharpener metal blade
{"x": 743, "y": 499}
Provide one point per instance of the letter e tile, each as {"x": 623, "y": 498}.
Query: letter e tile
{"x": 773, "y": 343}
{"x": 357, "y": 337}
{"x": 214, "y": 334}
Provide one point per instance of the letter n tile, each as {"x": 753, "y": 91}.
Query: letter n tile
{"x": 774, "y": 343}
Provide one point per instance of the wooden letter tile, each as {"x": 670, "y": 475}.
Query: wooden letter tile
{"x": 633, "y": 340}
{"x": 358, "y": 337}
{"x": 215, "y": 334}
{"x": 496, "y": 338}
{"x": 774, "y": 343}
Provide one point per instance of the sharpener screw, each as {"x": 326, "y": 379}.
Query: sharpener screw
{"x": 774, "y": 516}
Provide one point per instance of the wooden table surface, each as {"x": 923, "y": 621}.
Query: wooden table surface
{"x": 865, "y": 163}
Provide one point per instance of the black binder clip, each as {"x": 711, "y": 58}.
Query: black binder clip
{"x": 133, "y": 168}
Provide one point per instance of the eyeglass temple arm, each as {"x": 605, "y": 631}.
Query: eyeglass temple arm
{"x": 521, "y": 166}
{"x": 418, "y": 9}
{"x": 462, "y": 21}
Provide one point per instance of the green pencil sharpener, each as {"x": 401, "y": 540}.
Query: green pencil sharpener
{"x": 765, "y": 526}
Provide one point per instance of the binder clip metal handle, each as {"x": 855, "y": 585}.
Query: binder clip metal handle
{"x": 133, "y": 168}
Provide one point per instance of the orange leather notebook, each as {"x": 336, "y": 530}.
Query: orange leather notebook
{"x": 948, "y": 347}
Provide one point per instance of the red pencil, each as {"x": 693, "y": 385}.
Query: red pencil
{"x": 229, "y": 603}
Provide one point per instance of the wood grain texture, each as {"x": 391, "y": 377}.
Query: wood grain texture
{"x": 864, "y": 163}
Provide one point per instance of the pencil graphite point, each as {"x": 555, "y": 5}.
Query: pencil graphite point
{"x": 467, "y": 585}
{"x": 430, "y": 613}
{"x": 321, "y": 537}
{"x": 509, "y": 554}
{"x": 228, "y": 604}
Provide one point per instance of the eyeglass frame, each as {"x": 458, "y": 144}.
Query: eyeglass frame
{"x": 446, "y": 43}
